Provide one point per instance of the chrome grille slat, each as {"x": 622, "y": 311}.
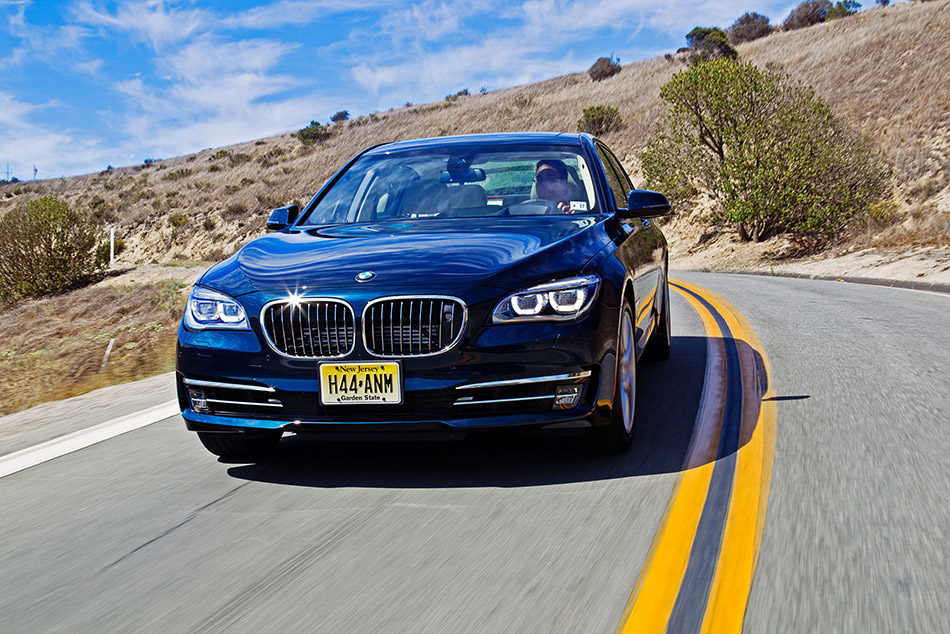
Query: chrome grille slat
{"x": 318, "y": 349}
{"x": 306, "y": 327}
{"x": 336, "y": 327}
{"x": 431, "y": 306}
{"x": 441, "y": 316}
{"x": 398, "y": 326}
{"x": 401, "y": 304}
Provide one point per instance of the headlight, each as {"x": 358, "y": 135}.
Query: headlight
{"x": 562, "y": 300}
{"x": 210, "y": 309}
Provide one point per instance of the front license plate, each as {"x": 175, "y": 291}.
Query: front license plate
{"x": 360, "y": 383}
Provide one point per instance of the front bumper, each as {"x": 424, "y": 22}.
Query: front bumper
{"x": 525, "y": 402}
{"x": 496, "y": 377}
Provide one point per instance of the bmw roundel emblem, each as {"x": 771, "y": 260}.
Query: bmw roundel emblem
{"x": 365, "y": 276}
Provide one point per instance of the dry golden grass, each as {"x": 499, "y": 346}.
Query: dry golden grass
{"x": 53, "y": 348}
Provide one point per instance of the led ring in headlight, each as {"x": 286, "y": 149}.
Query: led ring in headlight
{"x": 561, "y": 300}
{"x": 210, "y": 309}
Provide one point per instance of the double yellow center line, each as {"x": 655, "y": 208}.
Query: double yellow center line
{"x": 699, "y": 571}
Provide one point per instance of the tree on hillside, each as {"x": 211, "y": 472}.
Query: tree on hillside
{"x": 603, "y": 68}
{"x": 708, "y": 43}
{"x": 807, "y": 13}
{"x": 768, "y": 152}
{"x": 749, "y": 26}
{"x": 45, "y": 249}
{"x": 842, "y": 9}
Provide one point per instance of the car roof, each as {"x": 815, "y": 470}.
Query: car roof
{"x": 494, "y": 139}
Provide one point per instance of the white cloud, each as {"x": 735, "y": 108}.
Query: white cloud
{"x": 92, "y": 67}
{"x": 429, "y": 20}
{"x": 207, "y": 57}
{"x": 501, "y": 61}
{"x": 218, "y": 93}
{"x": 295, "y": 12}
{"x": 150, "y": 20}
{"x": 14, "y": 113}
{"x": 55, "y": 152}
{"x": 147, "y": 135}
{"x": 46, "y": 43}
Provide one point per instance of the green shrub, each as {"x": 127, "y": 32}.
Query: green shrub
{"x": 342, "y": 115}
{"x": 45, "y": 249}
{"x": 768, "y": 152}
{"x": 101, "y": 210}
{"x": 708, "y": 43}
{"x": 599, "y": 120}
{"x": 842, "y": 9}
{"x": 175, "y": 175}
{"x": 177, "y": 219}
{"x": 102, "y": 251}
{"x": 313, "y": 133}
{"x": 603, "y": 68}
{"x": 457, "y": 96}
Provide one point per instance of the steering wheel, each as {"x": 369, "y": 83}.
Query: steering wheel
{"x": 533, "y": 207}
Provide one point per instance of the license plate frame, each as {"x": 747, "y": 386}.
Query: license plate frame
{"x": 359, "y": 375}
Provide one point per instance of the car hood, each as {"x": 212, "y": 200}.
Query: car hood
{"x": 503, "y": 252}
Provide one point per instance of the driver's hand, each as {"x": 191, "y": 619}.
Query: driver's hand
{"x": 563, "y": 207}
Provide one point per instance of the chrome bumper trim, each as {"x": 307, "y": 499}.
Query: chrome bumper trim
{"x": 537, "y": 379}
{"x": 229, "y": 386}
{"x": 245, "y": 403}
{"x": 467, "y": 400}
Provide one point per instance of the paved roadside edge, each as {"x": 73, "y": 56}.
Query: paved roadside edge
{"x": 933, "y": 287}
{"x": 26, "y": 458}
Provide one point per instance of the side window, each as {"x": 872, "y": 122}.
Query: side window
{"x": 614, "y": 181}
{"x": 621, "y": 173}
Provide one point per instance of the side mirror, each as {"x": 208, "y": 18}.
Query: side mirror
{"x": 282, "y": 217}
{"x": 642, "y": 203}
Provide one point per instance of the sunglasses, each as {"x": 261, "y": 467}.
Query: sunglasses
{"x": 548, "y": 178}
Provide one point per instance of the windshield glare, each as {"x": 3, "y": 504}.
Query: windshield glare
{"x": 454, "y": 183}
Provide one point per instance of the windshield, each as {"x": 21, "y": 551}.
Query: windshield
{"x": 459, "y": 183}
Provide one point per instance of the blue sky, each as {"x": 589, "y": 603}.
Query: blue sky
{"x": 90, "y": 83}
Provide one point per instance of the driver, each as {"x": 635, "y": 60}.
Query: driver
{"x": 550, "y": 176}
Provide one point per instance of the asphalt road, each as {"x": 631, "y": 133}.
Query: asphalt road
{"x": 147, "y": 532}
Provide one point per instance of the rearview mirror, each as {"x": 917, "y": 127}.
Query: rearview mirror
{"x": 471, "y": 175}
{"x": 282, "y": 217}
{"x": 642, "y": 203}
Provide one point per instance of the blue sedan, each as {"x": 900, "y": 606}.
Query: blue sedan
{"x": 439, "y": 285}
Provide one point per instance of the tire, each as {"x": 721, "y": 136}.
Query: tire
{"x": 618, "y": 434}
{"x": 239, "y": 446}
{"x": 658, "y": 347}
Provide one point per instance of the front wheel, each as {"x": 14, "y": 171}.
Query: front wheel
{"x": 617, "y": 436}
{"x": 238, "y": 446}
